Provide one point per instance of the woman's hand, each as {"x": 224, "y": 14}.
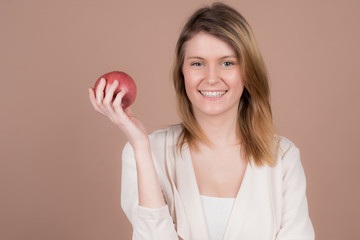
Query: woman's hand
{"x": 123, "y": 118}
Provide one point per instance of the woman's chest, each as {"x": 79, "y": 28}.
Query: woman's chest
{"x": 219, "y": 173}
{"x": 252, "y": 209}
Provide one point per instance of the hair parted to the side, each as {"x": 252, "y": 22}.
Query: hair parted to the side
{"x": 255, "y": 125}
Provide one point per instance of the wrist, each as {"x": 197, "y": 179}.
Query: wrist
{"x": 141, "y": 145}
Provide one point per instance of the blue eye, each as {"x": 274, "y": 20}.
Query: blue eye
{"x": 228, "y": 64}
{"x": 196, "y": 64}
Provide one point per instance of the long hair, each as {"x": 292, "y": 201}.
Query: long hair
{"x": 255, "y": 125}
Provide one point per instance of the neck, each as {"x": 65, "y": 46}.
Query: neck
{"x": 222, "y": 130}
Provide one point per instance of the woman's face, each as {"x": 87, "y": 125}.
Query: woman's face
{"x": 212, "y": 75}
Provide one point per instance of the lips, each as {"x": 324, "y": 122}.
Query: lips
{"x": 212, "y": 94}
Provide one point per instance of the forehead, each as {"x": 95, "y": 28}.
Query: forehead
{"x": 206, "y": 45}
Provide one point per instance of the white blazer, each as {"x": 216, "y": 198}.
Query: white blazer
{"x": 271, "y": 203}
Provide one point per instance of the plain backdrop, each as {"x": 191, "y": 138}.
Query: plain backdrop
{"x": 60, "y": 161}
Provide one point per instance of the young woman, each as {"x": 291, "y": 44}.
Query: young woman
{"x": 222, "y": 173}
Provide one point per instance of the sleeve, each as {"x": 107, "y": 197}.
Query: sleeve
{"x": 147, "y": 223}
{"x": 295, "y": 223}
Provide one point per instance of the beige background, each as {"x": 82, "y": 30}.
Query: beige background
{"x": 61, "y": 161}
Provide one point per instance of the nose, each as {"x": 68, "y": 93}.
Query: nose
{"x": 212, "y": 75}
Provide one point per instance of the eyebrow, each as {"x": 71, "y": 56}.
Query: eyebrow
{"x": 197, "y": 57}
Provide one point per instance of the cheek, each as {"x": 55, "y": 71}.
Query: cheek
{"x": 236, "y": 79}
{"x": 189, "y": 87}
{"x": 190, "y": 79}
{"x": 187, "y": 74}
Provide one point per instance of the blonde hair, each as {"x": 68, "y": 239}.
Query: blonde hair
{"x": 255, "y": 126}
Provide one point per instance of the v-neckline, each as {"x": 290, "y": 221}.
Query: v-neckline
{"x": 189, "y": 158}
{"x": 198, "y": 197}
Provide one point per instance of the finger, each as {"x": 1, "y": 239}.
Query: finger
{"x": 93, "y": 101}
{"x": 100, "y": 91}
{"x": 110, "y": 93}
{"x": 117, "y": 102}
{"x": 108, "y": 99}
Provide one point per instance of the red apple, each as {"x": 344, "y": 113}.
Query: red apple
{"x": 125, "y": 83}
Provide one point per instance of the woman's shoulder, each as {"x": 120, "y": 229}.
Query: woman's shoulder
{"x": 288, "y": 155}
{"x": 163, "y": 138}
{"x": 285, "y": 147}
{"x": 158, "y": 136}
{"x": 284, "y": 142}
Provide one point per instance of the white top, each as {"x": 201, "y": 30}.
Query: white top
{"x": 217, "y": 212}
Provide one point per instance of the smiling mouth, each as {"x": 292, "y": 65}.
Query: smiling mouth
{"x": 212, "y": 94}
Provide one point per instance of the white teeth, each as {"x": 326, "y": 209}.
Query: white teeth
{"x": 212, "y": 94}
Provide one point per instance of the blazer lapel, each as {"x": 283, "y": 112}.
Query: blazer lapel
{"x": 240, "y": 205}
{"x": 252, "y": 216}
{"x": 189, "y": 194}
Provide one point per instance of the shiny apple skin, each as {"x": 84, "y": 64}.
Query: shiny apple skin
{"x": 125, "y": 83}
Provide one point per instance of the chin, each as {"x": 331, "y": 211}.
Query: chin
{"x": 212, "y": 112}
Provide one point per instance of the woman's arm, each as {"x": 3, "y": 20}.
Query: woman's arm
{"x": 148, "y": 223}
{"x": 150, "y": 194}
{"x": 148, "y": 184}
{"x": 139, "y": 171}
{"x": 295, "y": 220}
